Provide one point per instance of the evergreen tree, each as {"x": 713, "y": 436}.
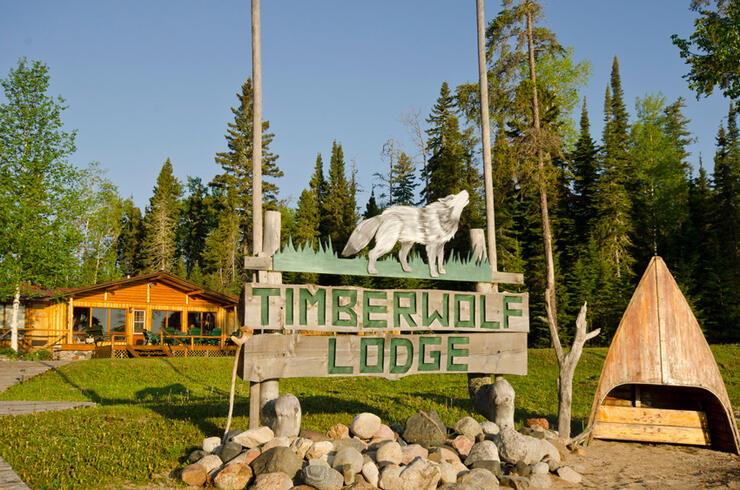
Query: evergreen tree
{"x": 404, "y": 181}
{"x": 196, "y": 222}
{"x": 237, "y": 164}
{"x": 585, "y": 177}
{"x": 221, "y": 258}
{"x": 160, "y": 221}
{"x": 338, "y": 206}
{"x": 371, "y": 209}
{"x": 129, "y": 246}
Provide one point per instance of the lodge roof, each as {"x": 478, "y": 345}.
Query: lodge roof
{"x": 165, "y": 277}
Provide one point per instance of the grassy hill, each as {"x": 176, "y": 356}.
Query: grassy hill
{"x": 151, "y": 412}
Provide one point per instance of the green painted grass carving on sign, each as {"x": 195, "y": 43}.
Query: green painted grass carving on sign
{"x": 324, "y": 260}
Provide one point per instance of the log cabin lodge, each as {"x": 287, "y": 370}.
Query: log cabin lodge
{"x": 157, "y": 312}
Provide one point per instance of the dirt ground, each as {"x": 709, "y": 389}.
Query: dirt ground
{"x": 609, "y": 464}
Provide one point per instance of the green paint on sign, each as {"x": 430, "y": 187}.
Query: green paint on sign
{"x": 333, "y": 368}
{"x": 483, "y": 322}
{"x": 365, "y": 344}
{"x": 397, "y": 343}
{"x": 508, "y": 311}
{"x": 264, "y": 294}
{"x": 305, "y": 297}
{"x": 443, "y": 319}
{"x": 404, "y": 311}
{"x": 452, "y": 352}
{"x": 367, "y": 309}
{"x": 435, "y": 355}
{"x": 467, "y": 298}
{"x": 289, "y": 306}
{"x": 337, "y": 309}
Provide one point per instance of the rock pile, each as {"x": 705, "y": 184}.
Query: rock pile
{"x": 425, "y": 454}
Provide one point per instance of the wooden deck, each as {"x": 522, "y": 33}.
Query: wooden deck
{"x": 8, "y": 479}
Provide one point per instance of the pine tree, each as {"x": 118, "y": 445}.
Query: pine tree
{"x": 196, "y": 222}
{"x": 129, "y": 246}
{"x": 237, "y": 164}
{"x": 221, "y": 257}
{"x": 404, "y": 181}
{"x": 337, "y": 208}
{"x": 585, "y": 177}
{"x": 160, "y": 221}
{"x": 371, "y": 209}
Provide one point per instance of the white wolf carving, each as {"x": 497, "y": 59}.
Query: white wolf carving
{"x": 433, "y": 225}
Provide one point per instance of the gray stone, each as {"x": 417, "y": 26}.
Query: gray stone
{"x": 516, "y": 482}
{"x": 365, "y": 425}
{"x": 540, "y": 468}
{"x": 196, "y": 455}
{"x": 390, "y": 452}
{"x": 371, "y": 473}
{"x": 425, "y": 428}
{"x": 319, "y": 462}
{"x": 441, "y": 453}
{"x": 230, "y": 451}
{"x": 477, "y": 479}
{"x": 322, "y": 477}
{"x": 569, "y": 474}
{"x": 210, "y": 462}
{"x": 532, "y": 432}
{"x": 447, "y": 472}
{"x": 301, "y": 446}
{"x": 552, "y": 464}
{"x": 514, "y": 447}
{"x": 390, "y": 477}
{"x": 254, "y": 437}
{"x": 319, "y": 449}
{"x": 540, "y": 481}
{"x": 421, "y": 474}
{"x": 354, "y": 443}
{"x": 503, "y": 400}
{"x": 492, "y": 466}
{"x": 482, "y": 451}
{"x": 277, "y": 459}
{"x": 272, "y": 481}
{"x": 413, "y": 451}
{"x": 278, "y": 441}
{"x": 194, "y": 475}
{"x": 349, "y": 462}
{"x": 211, "y": 443}
{"x": 312, "y": 435}
{"x": 523, "y": 469}
{"x": 233, "y": 477}
{"x": 283, "y": 415}
{"x": 490, "y": 428}
{"x": 468, "y": 426}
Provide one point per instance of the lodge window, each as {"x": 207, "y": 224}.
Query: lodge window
{"x": 108, "y": 320}
{"x": 203, "y": 322}
{"x": 139, "y": 320}
{"x": 165, "y": 319}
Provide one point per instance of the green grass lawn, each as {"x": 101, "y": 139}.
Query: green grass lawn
{"x": 152, "y": 412}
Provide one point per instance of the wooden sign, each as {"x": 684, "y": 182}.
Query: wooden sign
{"x": 272, "y": 356}
{"x": 349, "y": 309}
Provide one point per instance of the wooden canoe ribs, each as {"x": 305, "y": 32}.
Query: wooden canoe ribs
{"x": 660, "y": 382}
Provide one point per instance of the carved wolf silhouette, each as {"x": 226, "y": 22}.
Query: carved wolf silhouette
{"x": 433, "y": 225}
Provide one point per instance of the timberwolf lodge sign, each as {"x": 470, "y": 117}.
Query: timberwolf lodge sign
{"x": 389, "y": 333}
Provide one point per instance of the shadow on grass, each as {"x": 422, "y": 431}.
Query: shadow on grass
{"x": 330, "y": 404}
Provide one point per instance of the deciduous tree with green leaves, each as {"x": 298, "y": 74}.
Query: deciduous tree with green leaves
{"x": 40, "y": 191}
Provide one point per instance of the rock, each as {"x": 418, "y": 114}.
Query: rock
{"x": 301, "y": 446}
{"x": 490, "y": 428}
{"x": 413, "y": 451}
{"x": 440, "y": 454}
{"x": 371, "y": 473}
{"x": 365, "y": 425}
{"x": 390, "y": 477}
{"x": 482, "y": 451}
{"x": 211, "y": 443}
{"x": 254, "y": 437}
{"x": 194, "y": 475}
{"x": 421, "y": 474}
{"x": 460, "y": 468}
{"x": 514, "y": 447}
{"x": 426, "y": 429}
{"x": 349, "y": 462}
{"x": 477, "y": 479}
{"x": 195, "y": 456}
{"x": 503, "y": 400}
{"x": 552, "y": 464}
{"x": 230, "y": 450}
{"x": 251, "y": 455}
{"x": 361, "y": 484}
{"x": 447, "y": 472}
{"x": 233, "y": 477}
{"x": 322, "y": 477}
{"x": 277, "y": 459}
{"x": 319, "y": 449}
{"x": 540, "y": 481}
{"x": 390, "y": 452}
{"x": 492, "y": 466}
{"x": 537, "y": 422}
{"x": 272, "y": 481}
{"x": 522, "y": 469}
{"x": 233, "y": 433}
{"x": 240, "y": 458}
{"x": 463, "y": 445}
{"x": 278, "y": 441}
{"x": 516, "y": 482}
{"x": 540, "y": 468}
{"x": 468, "y": 426}
{"x": 529, "y": 431}
{"x": 384, "y": 433}
{"x": 210, "y": 462}
{"x": 354, "y": 443}
{"x": 283, "y": 415}
{"x": 312, "y": 435}
{"x": 338, "y": 431}
{"x": 569, "y": 474}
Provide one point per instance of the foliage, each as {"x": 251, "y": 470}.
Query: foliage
{"x": 338, "y": 215}
{"x": 712, "y": 50}
{"x": 129, "y": 253}
{"x": 152, "y": 412}
{"x": 39, "y": 355}
{"x": 197, "y": 220}
{"x": 160, "y": 221}
{"x": 40, "y": 192}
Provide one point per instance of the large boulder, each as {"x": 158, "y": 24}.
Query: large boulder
{"x": 426, "y": 429}
{"x": 277, "y": 459}
{"x": 322, "y": 477}
{"x": 254, "y": 437}
{"x": 233, "y": 477}
{"x": 283, "y": 415}
{"x": 365, "y": 425}
{"x": 514, "y": 447}
{"x": 482, "y": 451}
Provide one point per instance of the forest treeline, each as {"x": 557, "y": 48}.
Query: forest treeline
{"x": 615, "y": 199}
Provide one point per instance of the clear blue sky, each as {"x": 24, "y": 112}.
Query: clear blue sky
{"x": 148, "y": 80}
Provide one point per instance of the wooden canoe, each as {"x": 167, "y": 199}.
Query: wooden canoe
{"x": 660, "y": 382}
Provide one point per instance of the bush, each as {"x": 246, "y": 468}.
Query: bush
{"x": 40, "y": 355}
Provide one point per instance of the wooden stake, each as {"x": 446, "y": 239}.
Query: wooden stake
{"x": 256, "y": 130}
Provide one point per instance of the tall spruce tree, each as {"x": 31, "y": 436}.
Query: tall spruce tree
{"x": 237, "y": 164}
{"x": 160, "y": 221}
{"x": 338, "y": 206}
{"x": 196, "y": 222}
{"x": 221, "y": 257}
{"x": 585, "y": 166}
{"x": 404, "y": 180}
{"x": 308, "y": 212}
{"x": 129, "y": 246}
